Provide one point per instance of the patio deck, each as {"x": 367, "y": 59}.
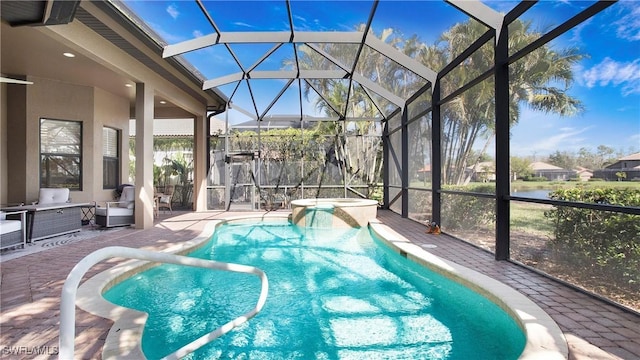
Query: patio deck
{"x": 30, "y": 291}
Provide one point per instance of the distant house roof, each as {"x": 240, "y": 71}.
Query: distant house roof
{"x": 583, "y": 171}
{"x": 635, "y": 156}
{"x": 277, "y": 122}
{"x": 176, "y": 127}
{"x": 267, "y": 124}
{"x": 539, "y": 165}
{"x": 634, "y": 162}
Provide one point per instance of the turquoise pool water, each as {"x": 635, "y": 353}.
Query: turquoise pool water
{"x": 333, "y": 294}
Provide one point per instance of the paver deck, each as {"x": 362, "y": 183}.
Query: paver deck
{"x": 31, "y": 285}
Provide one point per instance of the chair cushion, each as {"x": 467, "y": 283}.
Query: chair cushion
{"x": 114, "y": 211}
{"x": 3, "y": 216}
{"x": 7, "y": 226}
{"x": 53, "y": 196}
{"x": 128, "y": 197}
{"x": 165, "y": 199}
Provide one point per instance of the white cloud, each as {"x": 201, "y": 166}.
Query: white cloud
{"x": 628, "y": 26}
{"x": 625, "y": 74}
{"x": 238, "y": 23}
{"x": 576, "y": 32}
{"x": 168, "y": 36}
{"x": 172, "y": 10}
{"x": 197, "y": 33}
{"x": 565, "y": 138}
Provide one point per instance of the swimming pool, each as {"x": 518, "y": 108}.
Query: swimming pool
{"x": 376, "y": 313}
{"x": 333, "y": 294}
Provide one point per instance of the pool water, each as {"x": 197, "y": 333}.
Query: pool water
{"x": 333, "y": 294}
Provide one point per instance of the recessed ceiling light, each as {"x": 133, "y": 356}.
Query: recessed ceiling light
{"x": 162, "y": 102}
{"x": 128, "y": 85}
{"x": 69, "y": 55}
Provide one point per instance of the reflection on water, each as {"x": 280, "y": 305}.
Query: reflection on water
{"x": 535, "y": 194}
{"x": 333, "y": 294}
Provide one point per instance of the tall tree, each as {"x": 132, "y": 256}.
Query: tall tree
{"x": 606, "y": 155}
{"x": 563, "y": 159}
{"x": 540, "y": 81}
{"x": 520, "y": 168}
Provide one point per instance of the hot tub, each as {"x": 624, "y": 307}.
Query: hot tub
{"x": 333, "y": 212}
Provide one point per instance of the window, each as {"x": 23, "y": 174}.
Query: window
{"x": 61, "y": 154}
{"x": 110, "y": 158}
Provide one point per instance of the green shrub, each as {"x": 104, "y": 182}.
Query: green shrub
{"x": 463, "y": 212}
{"x": 376, "y": 193}
{"x": 419, "y": 202}
{"x": 604, "y": 242}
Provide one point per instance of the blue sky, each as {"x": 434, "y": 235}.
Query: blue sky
{"x": 607, "y": 80}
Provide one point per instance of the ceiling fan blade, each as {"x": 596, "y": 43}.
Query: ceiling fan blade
{"x": 15, "y": 81}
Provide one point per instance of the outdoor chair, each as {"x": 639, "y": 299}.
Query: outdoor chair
{"x": 51, "y": 215}
{"x": 48, "y": 196}
{"x": 118, "y": 213}
{"x": 13, "y": 229}
{"x": 165, "y": 199}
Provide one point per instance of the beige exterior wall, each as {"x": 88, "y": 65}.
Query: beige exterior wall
{"x": 26, "y": 105}
{"x": 104, "y": 65}
{"x": 16, "y": 130}
{"x": 111, "y": 111}
{"x": 3, "y": 144}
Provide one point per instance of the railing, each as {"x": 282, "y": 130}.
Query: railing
{"x": 70, "y": 288}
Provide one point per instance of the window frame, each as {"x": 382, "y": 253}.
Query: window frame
{"x": 116, "y": 161}
{"x": 43, "y": 171}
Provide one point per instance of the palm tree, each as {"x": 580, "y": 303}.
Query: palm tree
{"x": 540, "y": 80}
{"x": 357, "y": 150}
{"x": 183, "y": 168}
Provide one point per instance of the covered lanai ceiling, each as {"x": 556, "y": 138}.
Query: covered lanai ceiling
{"x": 278, "y": 59}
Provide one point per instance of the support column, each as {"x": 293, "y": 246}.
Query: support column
{"x": 404, "y": 172}
{"x": 200, "y": 170}
{"x": 385, "y": 165}
{"x": 436, "y": 155}
{"x": 144, "y": 156}
{"x": 503, "y": 178}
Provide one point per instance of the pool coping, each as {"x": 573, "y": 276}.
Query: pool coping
{"x": 545, "y": 340}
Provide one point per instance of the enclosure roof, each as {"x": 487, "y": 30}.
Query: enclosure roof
{"x": 329, "y": 59}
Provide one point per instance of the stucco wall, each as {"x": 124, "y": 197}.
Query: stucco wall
{"x": 111, "y": 111}
{"x": 61, "y": 101}
{"x": 3, "y": 143}
{"x": 16, "y": 184}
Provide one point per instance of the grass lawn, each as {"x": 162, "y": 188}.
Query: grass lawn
{"x": 557, "y": 185}
{"x": 529, "y": 218}
{"x": 553, "y": 185}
